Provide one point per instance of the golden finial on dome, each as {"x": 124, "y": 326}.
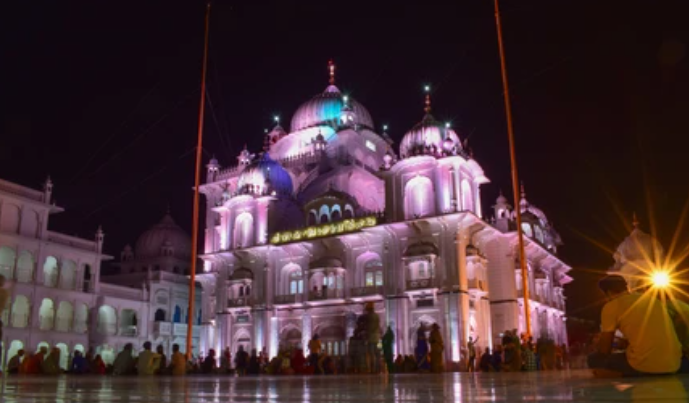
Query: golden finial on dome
{"x": 635, "y": 220}
{"x": 331, "y": 69}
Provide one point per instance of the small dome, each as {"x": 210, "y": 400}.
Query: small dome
{"x": 276, "y": 134}
{"x": 429, "y": 137}
{"x": 326, "y": 109}
{"x": 265, "y": 176}
{"x": 501, "y": 199}
{"x": 166, "y": 233}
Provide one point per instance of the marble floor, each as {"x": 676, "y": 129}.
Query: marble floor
{"x": 575, "y": 386}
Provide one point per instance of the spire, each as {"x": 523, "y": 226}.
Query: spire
{"x": 427, "y": 90}
{"x": 523, "y": 192}
{"x": 331, "y": 70}
{"x": 276, "y": 119}
{"x": 635, "y": 220}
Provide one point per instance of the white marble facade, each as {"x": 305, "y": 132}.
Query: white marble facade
{"x": 59, "y": 298}
{"x": 328, "y": 216}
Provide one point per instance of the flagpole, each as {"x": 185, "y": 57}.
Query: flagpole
{"x": 197, "y": 184}
{"x": 515, "y": 176}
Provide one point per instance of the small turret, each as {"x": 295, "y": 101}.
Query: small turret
{"x": 99, "y": 239}
{"x": 48, "y": 190}
{"x": 244, "y": 158}
{"x": 213, "y": 169}
{"x": 502, "y": 213}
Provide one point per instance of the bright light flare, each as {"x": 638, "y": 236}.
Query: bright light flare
{"x": 660, "y": 279}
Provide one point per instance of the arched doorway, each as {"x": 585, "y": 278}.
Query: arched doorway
{"x": 68, "y": 275}
{"x": 7, "y": 258}
{"x": 107, "y": 320}
{"x": 64, "y": 355}
{"x": 50, "y": 272}
{"x": 25, "y": 267}
{"x": 81, "y": 318}
{"x": 418, "y": 198}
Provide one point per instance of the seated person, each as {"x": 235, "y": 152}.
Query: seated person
{"x": 651, "y": 347}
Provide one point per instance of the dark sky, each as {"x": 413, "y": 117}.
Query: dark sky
{"x": 103, "y": 96}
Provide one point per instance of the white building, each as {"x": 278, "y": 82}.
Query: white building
{"x": 58, "y": 298}
{"x": 300, "y": 236}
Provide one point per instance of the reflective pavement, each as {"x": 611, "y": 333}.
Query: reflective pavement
{"x": 575, "y": 386}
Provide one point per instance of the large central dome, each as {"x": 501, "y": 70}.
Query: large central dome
{"x": 164, "y": 235}
{"x": 326, "y": 109}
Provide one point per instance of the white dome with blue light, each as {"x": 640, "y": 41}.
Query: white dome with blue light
{"x": 265, "y": 176}
{"x": 326, "y": 109}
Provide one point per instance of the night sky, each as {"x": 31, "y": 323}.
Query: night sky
{"x": 103, "y": 96}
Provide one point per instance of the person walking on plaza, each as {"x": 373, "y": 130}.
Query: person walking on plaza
{"x": 652, "y": 345}
{"x": 148, "y": 361}
{"x": 315, "y": 352}
{"x": 178, "y": 362}
{"x": 15, "y": 363}
{"x": 373, "y": 337}
{"x": 124, "y": 362}
{"x": 471, "y": 348}
{"x": 437, "y": 349}
{"x": 78, "y": 366}
{"x": 421, "y": 350}
{"x": 241, "y": 361}
{"x": 209, "y": 366}
{"x": 388, "y": 342}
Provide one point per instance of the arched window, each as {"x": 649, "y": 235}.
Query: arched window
{"x": 7, "y": 257}
{"x": 65, "y": 317}
{"x": 107, "y": 320}
{"x": 20, "y": 312}
{"x": 177, "y": 317}
{"x": 348, "y": 211}
{"x": 467, "y": 196}
{"x": 243, "y": 230}
{"x": 81, "y": 318}
{"x": 50, "y": 272}
{"x": 86, "y": 286}
{"x": 159, "y": 315}
{"x": 46, "y": 314}
{"x": 539, "y": 233}
{"x": 25, "y": 266}
{"x": 526, "y": 229}
{"x": 335, "y": 213}
{"x": 67, "y": 275}
{"x": 313, "y": 219}
{"x": 373, "y": 270}
{"x": 296, "y": 282}
{"x": 418, "y": 198}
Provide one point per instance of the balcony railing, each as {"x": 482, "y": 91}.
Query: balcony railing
{"x": 287, "y": 299}
{"x": 180, "y": 329}
{"x": 419, "y": 284}
{"x": 128, "y": 331}
{"x": 321, "y": 295}
{"x": 239, "y": 302}
{"x": 367, "y": 291}
{"x": 162, "y": 328}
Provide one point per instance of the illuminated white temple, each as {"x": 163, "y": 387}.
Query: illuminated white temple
{"x": 329, "y": 216}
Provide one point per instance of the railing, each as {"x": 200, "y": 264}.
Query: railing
{"x": 321, "y": 295}
{"x": 239, "y": 302}
{"x": 118, "y": 291}
{"x": 367, "y": 291}
{"x": 128, "y": 331}
{"x": 419, "y": 284}
{"x": 22, "y": 191}
{"x": 74, "y": 242}
{"x": 173, "y": 278}
{"x": 162, "y": 328}
{"x": 287, "y": 299}
{"x": 180, "y": 329}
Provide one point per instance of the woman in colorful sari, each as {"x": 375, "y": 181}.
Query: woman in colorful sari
{"x": 421, "y": 350}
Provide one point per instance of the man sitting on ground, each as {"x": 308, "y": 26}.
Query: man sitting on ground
{"x": 651, "y": 343}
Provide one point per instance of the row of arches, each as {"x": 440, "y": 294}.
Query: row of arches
{"x": 56, "y": 274}
{"x": 65, "y": 353}
{"x": 326, "y": 214}
{"x": 17, "y": 220}
{"x": 420, "y": 196}
{"x": 62, "y": 317}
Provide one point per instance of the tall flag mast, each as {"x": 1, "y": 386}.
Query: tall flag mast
{"x": 515, "y": 176}
{"x": 197, "y": 184}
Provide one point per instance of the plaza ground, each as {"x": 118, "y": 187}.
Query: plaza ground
{"x": 575, "y": 386}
